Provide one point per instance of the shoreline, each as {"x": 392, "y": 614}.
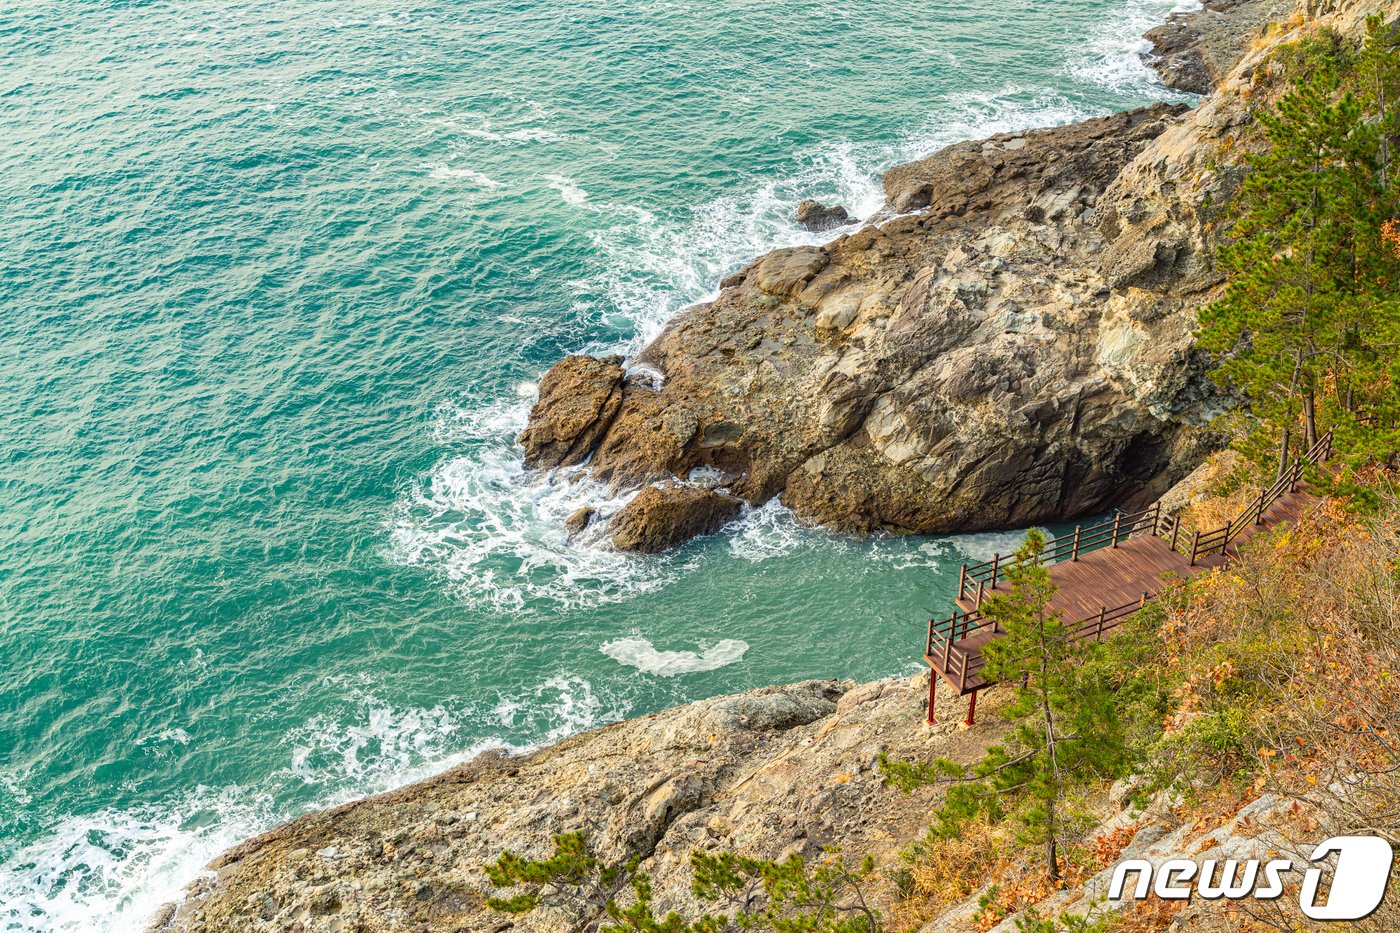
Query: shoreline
{"x": 489, "y": 762}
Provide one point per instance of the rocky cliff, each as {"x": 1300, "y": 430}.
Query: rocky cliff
{"x": 1009, "y": 341}
{"x": 769, "y": 772}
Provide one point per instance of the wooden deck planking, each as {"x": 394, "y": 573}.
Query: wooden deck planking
{"x": 1113, "y": 577}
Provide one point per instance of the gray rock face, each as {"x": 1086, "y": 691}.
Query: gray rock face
{"x": 1010, "y": 342}
{"x": 778, "y": 770}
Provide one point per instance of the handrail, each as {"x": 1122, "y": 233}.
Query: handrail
{"x": 944, "y": 635}
{"x": 960, "y": 667}
{"x": 976, "y": 579}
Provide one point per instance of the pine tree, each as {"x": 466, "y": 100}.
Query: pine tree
{"x": 1289, "y": 312}
{"x": 1309, "y": 324}
{"x": 1067, "y": 730}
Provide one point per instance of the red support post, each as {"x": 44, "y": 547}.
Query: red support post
{"x": 971, "y": 710}
{"x": 932, "y": 690}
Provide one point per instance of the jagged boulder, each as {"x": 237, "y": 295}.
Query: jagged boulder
{"x": 818, "y": 218}
{"x": 662, "y": 517}
{"x": 579, "y": 398}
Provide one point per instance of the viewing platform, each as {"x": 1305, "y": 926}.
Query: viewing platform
{"x": 1106, "y": 572}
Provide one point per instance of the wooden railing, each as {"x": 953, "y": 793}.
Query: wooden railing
{"x": 961, "y": 667}
{"x": 977, "y": 579}
{"x": 1218, "y": 540}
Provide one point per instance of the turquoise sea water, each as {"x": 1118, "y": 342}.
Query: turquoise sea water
{"x": 278, "y": 281}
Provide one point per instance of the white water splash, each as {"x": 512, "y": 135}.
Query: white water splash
{"x": 1114, "y": 51}
{"x": 643, "y": 655}
{"x": 109, "y": 871}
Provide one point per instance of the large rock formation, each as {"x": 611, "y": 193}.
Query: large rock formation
{"x": 1194, "y": 51}
{"x": 1010, "y": 342}
{"x": 778, "y": 770}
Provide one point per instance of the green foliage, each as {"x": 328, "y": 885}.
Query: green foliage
{"x": 788, "y": 896}
{"x": 752, "y": 895}
{"x": 572, "y": 878}
{"x": 1032, "y": 922}
{"x": 1066, "y": 733}
{"x": 1309, "y": 322}
{"x": 1325, "y": 51}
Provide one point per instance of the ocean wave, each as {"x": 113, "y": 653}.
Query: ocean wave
{"x": 109, "y": 871}
{"x": 1114, "y": 49}
{"x": 643, "y": 655}
{"x": 442, "y": 171}
{"x": 767, "y": 532}
{"x": 568, "y": 189}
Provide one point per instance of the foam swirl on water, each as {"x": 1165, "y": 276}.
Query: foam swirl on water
{"x": 643, "y": 655}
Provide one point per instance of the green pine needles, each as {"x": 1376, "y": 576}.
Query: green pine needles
{"x": 750, "y": 895}
{"x": 1066, "y": 730}
{"x": 1309, "y": 326}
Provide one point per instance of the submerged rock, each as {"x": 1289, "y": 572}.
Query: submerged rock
{"x": 662, "y": 517}
{"x": 817, "y": 217}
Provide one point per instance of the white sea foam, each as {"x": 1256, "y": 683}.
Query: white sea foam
{"x": 107, "y": 872}
{"x": 568, "y": 189}
{"x": 442, "y": 171}
{"x": 643, "y": 655}
{"x": 987, "y": 544}
{"x": 1114, "y": 50}
{"x": 767, "y": 532}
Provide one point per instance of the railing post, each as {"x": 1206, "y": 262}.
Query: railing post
{"x": 981, "y": 591}
{"x": 1103, "y": 611}
{"x": 1195, "y": 542}
{"x": 932, "y": 688}
{"x": 1225, "y": 542}
{"x": 996, "y": 564}
{"x": 1117, "y": 521}
{"x": 948, "y": 646}
{"x": 1074, "y": 554}
{"x": 1176, "y": 530}
{"x": 1259, "y": 511}
{"x": 962, "y": 582}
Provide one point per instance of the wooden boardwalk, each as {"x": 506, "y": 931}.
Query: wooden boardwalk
{"x": 1106, "y": 572}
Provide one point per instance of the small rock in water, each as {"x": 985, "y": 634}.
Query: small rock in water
{"x": 580, "y": 520}
{"x": 817, "y": 217}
